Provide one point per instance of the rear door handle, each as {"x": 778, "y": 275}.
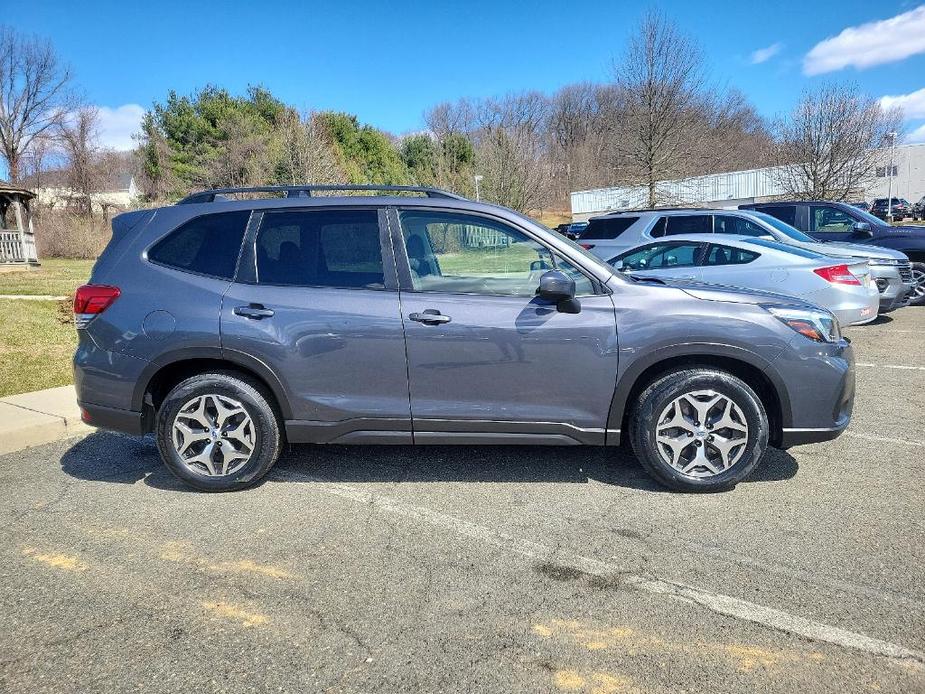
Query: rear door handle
{"x": 430, "y": 316}
{"x": 255, "y": 311}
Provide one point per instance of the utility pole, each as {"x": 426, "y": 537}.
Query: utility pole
{"x": 477, "y": 178}
{"x": 889, "y": 195}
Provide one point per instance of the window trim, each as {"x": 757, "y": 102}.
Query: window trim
{"x": 248, "y": 261}
{"x": 403, "y": 264}
{"x": 145, "y": 254}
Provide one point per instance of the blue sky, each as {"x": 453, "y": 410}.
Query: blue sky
{"x": 388, "y": 61}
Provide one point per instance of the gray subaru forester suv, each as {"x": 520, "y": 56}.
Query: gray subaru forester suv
{"x": 229, "y": 327}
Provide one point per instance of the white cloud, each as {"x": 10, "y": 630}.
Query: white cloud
{"x": 917, "y": 135}
{"x": 762, "y": 55}
{"x": 913, "y": 105}
{"x": 874, "y": 43}
{"x": 117, "y": 125}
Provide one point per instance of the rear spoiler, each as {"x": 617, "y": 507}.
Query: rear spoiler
{"x": 125, "y": 222}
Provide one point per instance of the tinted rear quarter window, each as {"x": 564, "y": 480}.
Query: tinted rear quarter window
{"x": 689, "y": 224}
{"x": 206, "y": 245}
{"x": 606, "y": 229}
{"x": 785, "y": 213}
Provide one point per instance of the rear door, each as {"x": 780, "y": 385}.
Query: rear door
{"x": 488, "y": 361}
{"x": 317, "y": 302}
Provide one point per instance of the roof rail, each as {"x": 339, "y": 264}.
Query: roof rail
{"x": 305, "y": 191}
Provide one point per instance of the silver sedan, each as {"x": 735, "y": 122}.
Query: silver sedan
{"x": 841, "y": 285}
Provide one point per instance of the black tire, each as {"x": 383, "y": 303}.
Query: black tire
{"x": 256, "y": 403}
{"x": 656, "y": 397}
{"x": 918, "y": 296}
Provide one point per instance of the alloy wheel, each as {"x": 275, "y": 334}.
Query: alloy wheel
{"x": 918, "y": 277}
{"x": 213, "y": 435}
{"x": 701, "y": 433}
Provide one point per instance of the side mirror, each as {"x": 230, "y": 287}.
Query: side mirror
{"x": 556, "y": 286}
{"x": 863, "y": 229}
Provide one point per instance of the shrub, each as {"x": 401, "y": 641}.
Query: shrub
{"x": 60, "y": 234}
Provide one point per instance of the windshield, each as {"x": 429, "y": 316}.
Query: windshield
{"x": 864, "y": 216}
{"x": 566, "y": 240}
{"x": 783, "y": 227}
{"x": 783, "y": 247}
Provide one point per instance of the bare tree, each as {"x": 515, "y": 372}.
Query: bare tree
{"x": 79, "y": 134}
{"x": 35, "y": 94}
{"x": 307, "y": 156}
{"x": 661, "y": 80}
{"x": 828, "y": 148}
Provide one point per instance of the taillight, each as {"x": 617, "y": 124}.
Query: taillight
{"x": 92, "y": 299}
{"x": 837, "y": 274}
{"x": 586, "y": 246}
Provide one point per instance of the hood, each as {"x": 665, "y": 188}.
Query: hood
{"x": 732, "y": 295}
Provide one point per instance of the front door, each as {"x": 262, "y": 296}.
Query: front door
{"x": 488, "y": 361}
{"x": 317, "y": 302}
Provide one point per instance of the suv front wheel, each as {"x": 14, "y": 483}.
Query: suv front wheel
{"x": 218, "y": 432}
{"x": 699, "y": 429}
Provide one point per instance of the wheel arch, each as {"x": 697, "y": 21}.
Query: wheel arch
{"x": 741, "y": 363}
{"x": 163, "y": 374}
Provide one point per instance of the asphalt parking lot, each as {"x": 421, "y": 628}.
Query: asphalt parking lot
{"x": 479, "y": 569}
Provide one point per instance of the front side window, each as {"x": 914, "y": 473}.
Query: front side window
{"x": 320, "y": 248}
{"x": 728, "y": 255}
{"x": 731, "y": 224}
{"x": 660, "y": 256}
{"x": 206, "y": 245}
{"x": 467, "y": 254}
{"x": 830, "y": 220}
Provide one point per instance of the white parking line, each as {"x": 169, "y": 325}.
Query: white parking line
{"x": 885, "y": 439}
{"x": 716, "y": 602}
{"x": 890, "y": 366}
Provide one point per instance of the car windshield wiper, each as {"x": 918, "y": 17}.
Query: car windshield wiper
{"x": 644, "y": 278}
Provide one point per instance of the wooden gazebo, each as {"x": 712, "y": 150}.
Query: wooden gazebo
{"x": 17, "y": 236}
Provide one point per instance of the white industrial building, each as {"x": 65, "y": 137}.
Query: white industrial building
{"x": 728, "y": 190}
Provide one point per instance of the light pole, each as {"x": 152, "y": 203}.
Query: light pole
{"x": 477, "y": 178}
{"x": 889, "y": 195}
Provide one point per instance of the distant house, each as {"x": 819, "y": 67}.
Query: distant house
{"x": 117, "y": 191}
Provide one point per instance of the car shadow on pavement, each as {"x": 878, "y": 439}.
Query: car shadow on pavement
{"x": 107, "y": 457}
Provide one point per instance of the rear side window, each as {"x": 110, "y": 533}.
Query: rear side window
{"x": 730, "y": 224}
{"x": 605, "y": 229}
{"x": 689, "y": 224}
{"x": 658, "y": 229}
{"x": 785, "y": 213}
{"x": 320, "y": 248}
{"x": 728, "y": 255}
{"x": 207, "y": 245}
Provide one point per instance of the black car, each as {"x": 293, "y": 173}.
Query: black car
{"x": 900, "y": 209}
{"x": 918, "y": 209}
{"x": 839, "y": 221}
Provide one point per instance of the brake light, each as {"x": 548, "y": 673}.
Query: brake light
{"x": 92, "y": 299}
{"x": 837, "y": 274}
{"x": 586, "y": 246}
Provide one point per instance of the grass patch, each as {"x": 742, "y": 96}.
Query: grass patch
{"x": 56, "y": 277}
{"x": 37, "y": 342}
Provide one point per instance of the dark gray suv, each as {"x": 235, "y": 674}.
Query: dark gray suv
{"x": 228, "y": 327}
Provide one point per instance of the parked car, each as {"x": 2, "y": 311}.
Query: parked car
{"x": 432, "y": 320}
{"x": 611, "y": 233}
{"x": 563, "y": 229}
{"x": 838, "y": 221}
{"x": 576, "y": 229}
{"x": 861, "y": 205}
{"x": 900, "y": 208}
{"x": 918, "y": 209}
{"x": 842, "y": 286}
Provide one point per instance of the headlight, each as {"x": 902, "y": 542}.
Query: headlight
{"x": 819, "y": 326}
{"x": 884, "y": 261}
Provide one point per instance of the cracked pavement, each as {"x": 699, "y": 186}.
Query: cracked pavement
{"x": 497, "y": 569}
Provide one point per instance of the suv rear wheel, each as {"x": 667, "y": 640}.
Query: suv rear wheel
{"x": 218, "y": 432}
{"x": 699, "y": 429}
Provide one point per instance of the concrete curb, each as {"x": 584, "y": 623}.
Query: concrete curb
{"x": 33, "y": 419}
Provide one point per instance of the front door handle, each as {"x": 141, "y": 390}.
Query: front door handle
{"x": 255, "y": 311}
{"x": 430, "y": 316}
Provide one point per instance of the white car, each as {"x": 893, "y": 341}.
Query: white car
{"x": 841, "y": 285}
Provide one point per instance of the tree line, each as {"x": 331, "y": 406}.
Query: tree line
{"x": 658, "y": 116}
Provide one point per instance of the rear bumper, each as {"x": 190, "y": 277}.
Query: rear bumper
{"x": 124, "y": 421}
